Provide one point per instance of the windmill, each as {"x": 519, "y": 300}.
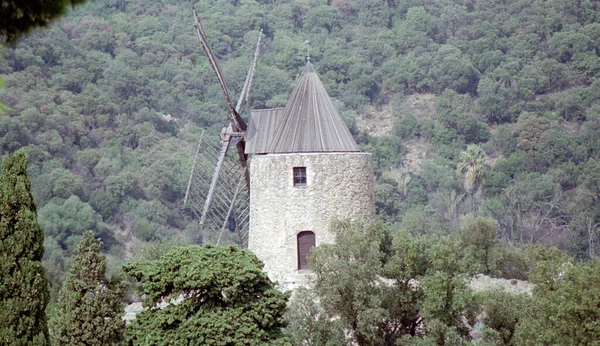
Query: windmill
{"x": 304, "y": 170}
{"x": 218, "y": 190}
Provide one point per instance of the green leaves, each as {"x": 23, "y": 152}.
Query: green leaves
{"x": 379, "y": 289}
{"x": 24, "y": 292}
{"x": 347, "y": 279}
{"x": 478, "y": 236}
{"x": 528, "y": 130}
{"x": 67, "y": 220}
{"x": 89, "y": 305}
{"x": 471, "y": 167}
{"x": 565, "y": 305}
{"x": 215, "y": 295}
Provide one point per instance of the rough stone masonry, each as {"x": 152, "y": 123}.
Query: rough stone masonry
{"x": 338, "y": 185}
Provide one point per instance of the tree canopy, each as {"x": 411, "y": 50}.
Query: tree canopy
{"x": 210, "y": 296}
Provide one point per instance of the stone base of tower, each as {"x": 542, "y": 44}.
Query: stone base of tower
{"x": 286, "y": 210}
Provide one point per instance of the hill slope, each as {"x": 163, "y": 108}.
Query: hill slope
{"x": 110, "y": 101}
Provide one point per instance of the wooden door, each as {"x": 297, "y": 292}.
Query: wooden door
{"x": 306, "y": 241}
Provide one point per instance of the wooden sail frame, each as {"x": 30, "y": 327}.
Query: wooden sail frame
{"x": 222, "y": 202}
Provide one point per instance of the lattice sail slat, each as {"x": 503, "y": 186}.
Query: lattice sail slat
{"x": 225, "y": 218}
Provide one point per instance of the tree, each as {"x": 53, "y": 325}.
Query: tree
{"x": 19, "y": 17}
{"x": 447, "y": 298}
{"x": 529, "y": 129}
{"x": 583, "y": 224}
{"x": 347, "y": 280}
{"x": 404, "y": 299}
{"x": 67, "y": 220}
{"x": 309, "y": 324}
{"x": 471, "y": 167}
{"x": 408, "y": 127}
{"x": 24, "y": 290}
{"x": 453, "y": 17}
{"x": 417, "y": 19}
{"x": 368, "y": 284}
{"x": 565, "y": 305}
{"x": 372, "y": 13}
{"x": 379, "y": 289}
{"x": 455, "y": 112}
{"x": 495, "y": 99}
{"x": 214, "y": 295}
{"x": 89, "y": 305}
{"x": 422, "y": 220}
{"x": 478, "y": 237}
{"x": 536, "y": 202}
{"x": 503, "y": 312}
{"x": 554, "y": 146}
{"x": 451, "y": 69}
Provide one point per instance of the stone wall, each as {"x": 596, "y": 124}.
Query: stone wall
{"x": 339, "y": 185}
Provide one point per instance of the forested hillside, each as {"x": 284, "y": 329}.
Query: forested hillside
{"x": 109, "y": 103}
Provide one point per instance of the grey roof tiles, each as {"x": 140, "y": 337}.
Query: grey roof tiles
{"x": 308, "y": 123}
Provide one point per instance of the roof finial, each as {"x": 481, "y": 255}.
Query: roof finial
{"x": 307, "y": 43}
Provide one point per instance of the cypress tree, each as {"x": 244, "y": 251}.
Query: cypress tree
{"x": 24, "y": 287}
{"x": 89, "y": 305}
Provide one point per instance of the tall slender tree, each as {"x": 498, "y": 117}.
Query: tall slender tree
{"x": 471, "y": 167}
{"x": 24, "y": 289}
{"x": 89, "y": 305}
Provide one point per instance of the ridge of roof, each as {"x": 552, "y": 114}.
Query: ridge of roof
{"x": 310, "y": 121}
{"x": 309, "y": 68}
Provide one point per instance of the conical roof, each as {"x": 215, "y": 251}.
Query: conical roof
{"x": 310, "y": 122}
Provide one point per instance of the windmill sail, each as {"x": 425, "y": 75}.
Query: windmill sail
{"x": 237, "y": 122}
{"x": 218, "y": 188}
{"x": 225, "y": 219}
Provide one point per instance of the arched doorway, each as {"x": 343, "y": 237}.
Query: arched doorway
{"x": 305, "y": 242}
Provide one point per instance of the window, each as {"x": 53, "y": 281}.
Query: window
{"x": 306, "y": 241}
{"x": 299, "y": 176}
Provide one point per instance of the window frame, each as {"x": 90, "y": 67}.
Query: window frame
{"x": 299, "y": 176}
{"x": 302, "y": 262}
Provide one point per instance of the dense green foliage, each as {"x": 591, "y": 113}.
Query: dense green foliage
{"x": 217, "y": 296}
{"x": 565, "y": 305}
{"x": 24, "y": 290}
{"x": 388, "y": 287}
{"x": 563, "y": 309}
{"x": 89, "y": 305}
{"x": 378, "y": 288}
{"x": 498, "y": 99}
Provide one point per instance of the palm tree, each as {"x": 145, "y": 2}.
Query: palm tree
{"x": 402, "y": 178}
{"x": 471, "y": 167}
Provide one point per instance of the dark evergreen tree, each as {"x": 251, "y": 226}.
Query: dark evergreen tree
{"x": 217, "y": 296}
{"x": 90, "y": 307}
{"x": 24, "y": 289}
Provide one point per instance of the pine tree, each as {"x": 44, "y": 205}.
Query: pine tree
{"x": 24, "y": 287}
{"x": 89, "y": 305}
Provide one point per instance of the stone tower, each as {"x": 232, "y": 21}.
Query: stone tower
{"x": 305, "y": 170}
